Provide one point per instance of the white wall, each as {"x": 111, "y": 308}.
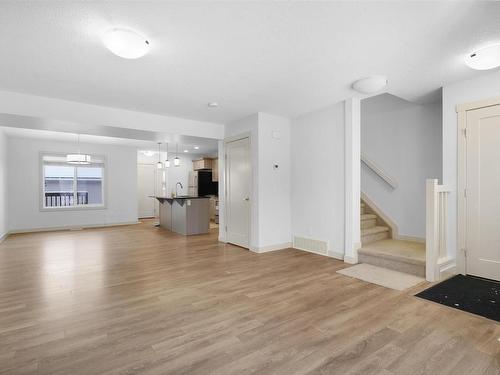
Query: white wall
{"x": 270, "y": 191}
{"x": 404, "y": 139}
{"x": 3, "y": 185}
{"x": 484, "y": 87}
{"x": 352, "y": 176}
{"x": 88, "y": 114}
{"x": 317, "y": 177}
{"x": 274, "y": 188}
{"x": 24, "y": 186}
{"x": 173, "y": 174}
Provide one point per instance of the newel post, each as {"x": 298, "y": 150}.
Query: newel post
{"x": 431, "y": 231}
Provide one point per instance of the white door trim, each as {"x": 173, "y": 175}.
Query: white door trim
{"x": 461, "y": 110}
{"x": 252, "y": 200}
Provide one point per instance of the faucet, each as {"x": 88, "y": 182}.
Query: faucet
{"x": 177, "y": 184}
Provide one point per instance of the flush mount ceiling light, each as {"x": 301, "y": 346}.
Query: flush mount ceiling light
{"x": 484, "y": 58}
{"x": 186, "y": 150}
{"x": 78, "y": 158}
{"x": 196, "y": 147}
{"x": 125, "y": 43}
{"x": 148, "y": 153}
{"x": 213, "y": 105}
{"x": 370, "y": 85}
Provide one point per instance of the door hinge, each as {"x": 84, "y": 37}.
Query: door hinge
{"x": 225, "y": 228}
{"x": 465, "y": 132}
{"x": 465, "y": 193}
{"x": 465, "y": 252}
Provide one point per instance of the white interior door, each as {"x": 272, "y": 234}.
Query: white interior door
{"x": 145, "y": 189}
{"x": 238, "y": 178}
{"x": 483, "y": 192}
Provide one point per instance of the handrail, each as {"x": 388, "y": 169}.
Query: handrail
{"x": 379, "y": 171}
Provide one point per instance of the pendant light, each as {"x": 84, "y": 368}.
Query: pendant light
{"x": 159, "y": 165}
{"x": 79, "y": 158}
{"x": 177, "y": 162}
{"x": 167, "y": 162}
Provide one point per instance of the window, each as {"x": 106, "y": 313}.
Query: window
{"x": 67, "y": 186}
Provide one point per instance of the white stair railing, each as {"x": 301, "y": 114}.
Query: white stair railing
{"x": 435, "y": 228}
{"x": 379, "y": 171}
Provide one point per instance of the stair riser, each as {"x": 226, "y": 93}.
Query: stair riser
{"x": 370, "y": 223}
{"x": 413, "y": 269}
{"x": 362, "y": 210}
{"x": 374, "y": 237}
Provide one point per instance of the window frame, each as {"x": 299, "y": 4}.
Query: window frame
{"x": 41, "y": 186}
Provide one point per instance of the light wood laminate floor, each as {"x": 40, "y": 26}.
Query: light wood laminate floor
{"x": 141, "y": 300}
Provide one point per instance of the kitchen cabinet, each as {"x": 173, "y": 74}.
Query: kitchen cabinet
{"x": 215, "y": 170}
{"x": 200, "y": 164}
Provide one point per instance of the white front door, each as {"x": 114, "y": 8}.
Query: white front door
{"x": 238, "y": 174}
{"x": 145, "y": 189}
{"x": 483, "y": 192}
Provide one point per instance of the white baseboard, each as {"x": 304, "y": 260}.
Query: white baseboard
{"x": 70, "y": 227}
{"x": 4, "y": 236}
{"x": 350, "y": 260}
{"x": 353, "y": 259}
{"x": 330, "y": 254}
{"x": 265, "y": 249}
{"x": 336, "y": 255}
{"x": 447, "y": 269}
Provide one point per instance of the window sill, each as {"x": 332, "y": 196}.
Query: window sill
{"x": 73, "y": 208}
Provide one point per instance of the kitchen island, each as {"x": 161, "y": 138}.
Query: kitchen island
{"x": 185, "y": 215}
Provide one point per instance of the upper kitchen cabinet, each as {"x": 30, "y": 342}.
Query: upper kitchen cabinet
{"x": 215, "y": 170}
{"x": 201, "y": 164}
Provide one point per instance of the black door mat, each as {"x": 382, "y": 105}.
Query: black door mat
{"x": 467, "y": 293}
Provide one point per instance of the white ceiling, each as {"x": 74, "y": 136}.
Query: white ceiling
{"x": 206, "y": 147}
{"x": 278, "y": 57}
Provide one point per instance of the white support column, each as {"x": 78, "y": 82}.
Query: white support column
{"x": 222, "y": 190}
{"x": 352, "y": 129}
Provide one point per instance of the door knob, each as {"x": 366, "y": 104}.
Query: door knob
{"x": 247, "y": 199}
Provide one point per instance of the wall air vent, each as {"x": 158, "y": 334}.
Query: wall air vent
{"x": 311, "y": 245}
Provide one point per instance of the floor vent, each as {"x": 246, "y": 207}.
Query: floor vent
{"x": 312, "y": 245}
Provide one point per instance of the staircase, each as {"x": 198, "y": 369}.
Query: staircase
{"x": 380, "y": 249}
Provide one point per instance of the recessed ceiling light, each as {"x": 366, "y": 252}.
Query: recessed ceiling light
{"x": 148, "y": 153}
{"x": 196, "y": 148}
{"x": 125, "y": 43}
{"x": 484, "y": 58}
{"x": 213, "y": 105}
{"x": 370, "y": 85}
{"x": 186, "y": 150}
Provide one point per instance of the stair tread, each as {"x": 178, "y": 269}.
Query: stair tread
{"x": 403, "y": 251}
{"x": 374, "y": 230}
{"x": 368, "y": 216}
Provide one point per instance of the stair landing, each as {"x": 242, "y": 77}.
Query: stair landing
{"x": 403, "y": 256}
